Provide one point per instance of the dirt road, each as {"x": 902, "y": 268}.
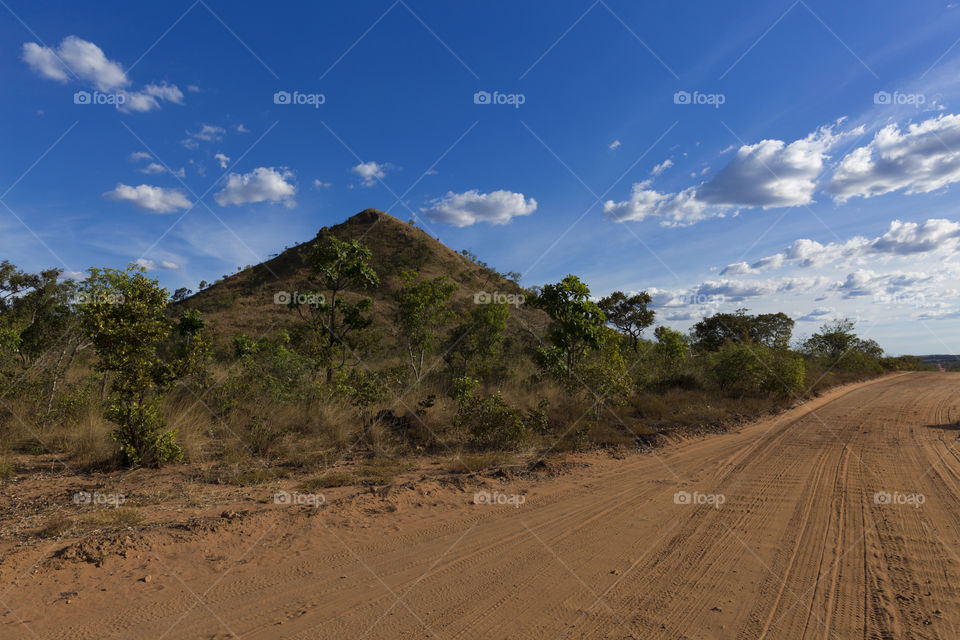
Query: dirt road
{"x": 839, "y": 519}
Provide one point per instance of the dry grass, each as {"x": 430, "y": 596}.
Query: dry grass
{"x": 114, "y": 518}
{"x": 329, "y": 480}
{"x": 479, "y": 462}
{"x": 55, "y": 527}
{"x": 8, "y": 471}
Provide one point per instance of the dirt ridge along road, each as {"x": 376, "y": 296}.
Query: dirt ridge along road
{"x": 837, "y": 519}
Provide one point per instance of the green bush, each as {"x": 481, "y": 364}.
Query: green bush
{"x": 491, "y": 422}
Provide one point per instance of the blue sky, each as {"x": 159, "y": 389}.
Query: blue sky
{"x": 795, "y": 156}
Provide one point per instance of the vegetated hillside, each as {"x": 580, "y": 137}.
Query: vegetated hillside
{"x": 245, "y": 301}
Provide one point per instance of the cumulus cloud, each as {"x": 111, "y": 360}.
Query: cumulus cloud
{"x": 663, "y": 166}
{"x": 818, "y": 315}
{"x": 465, "y": 209}
{"x": 614, "y": 145}
{"x": 901, "y": 239}
{"x": 207, "y": 133}
{"x": 320, "y": 184}
{"x": 155, "y": 168}
{"x": 222, "y": 159}
{"x": 86, "y": 62}
{"x": 263, "y": 184}
{"x": 137, "y": 156}
{"x": 770, "y": 173}
{"x": 920, "y": 159}
{"x": 76, "y": 57}
{"x": 370, "y": 172}
{"x": 152, "y": 265}
{"x": 149, "y": 198}
{"x": 149, "y": 97}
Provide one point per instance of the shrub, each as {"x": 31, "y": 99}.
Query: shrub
{"x": 490, "y": 421}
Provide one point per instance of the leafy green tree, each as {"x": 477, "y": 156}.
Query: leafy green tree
{"x": 123, "y": 315}
{"x": 671, "y": 345}
{"x": 629, "y": 314}
{"x": 604, "y": 372}
{"x": 711, "y": 333}
{"x": 337, "y": 266}
{"x": 473, "y": 345}
{"x": 422, "y": 310}
{"x": 838, "y": 343}
{"x": 772, "y": 330}
{"x": 577, "y": 323}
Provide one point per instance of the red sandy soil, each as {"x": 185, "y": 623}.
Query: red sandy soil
{"x": 837, "y": 519}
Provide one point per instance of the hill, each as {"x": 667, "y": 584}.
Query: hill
{"x": 245, "y": 301}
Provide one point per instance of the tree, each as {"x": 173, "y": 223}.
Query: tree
{"x": 181, "y": 294}
{"x": 712, "y": 332}
{"x": 629, "y": 315}
{"x": 474, "y": 343}
{"x": 422, "y": 309}
{"x": 123, "y": 315}
{"x": 837, "y": 342}
{"x": 671, "y": 345}
{"x": 577, "y": 322}
{"x": 772, "y": 330}
{"x": 337, "y": 266}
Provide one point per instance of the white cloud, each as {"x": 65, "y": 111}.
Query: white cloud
{"x": 207, "y": 133}
{"x": 370, "y": 172}
{"x": 242, "y": 129}
{"x": 902, "y": 238}
{"x": 77, "y": 57}
{"x": 150, "y": 96}
{"x": 136, "y": 156}
{"x": 320, "y": 184}
{"x": 614, "y": 145}
{"x": 663, "y": 166}
{"x": 923, "y": 158}
{"x": 464, "y": 209}
{"x": 149, "y": 198}
{"x": 222, "y": 159}
{"x": 154, "y": 168}
{"x": 152, "y": 265}
{"x": 263, "y": 184}
{"x": 770, "y": 173}
{"x": 85, "y": 61}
